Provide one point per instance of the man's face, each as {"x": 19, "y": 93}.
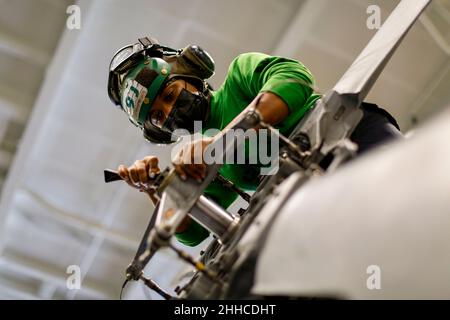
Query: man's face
{"x": 165, "y": 101}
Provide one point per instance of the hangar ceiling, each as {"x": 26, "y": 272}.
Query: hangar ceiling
{"x": 58, "y": 129}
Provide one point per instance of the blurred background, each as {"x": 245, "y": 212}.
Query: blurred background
{"x": 58, "y": 129}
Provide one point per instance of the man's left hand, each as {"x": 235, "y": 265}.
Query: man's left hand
{"x": 189, "y": 162}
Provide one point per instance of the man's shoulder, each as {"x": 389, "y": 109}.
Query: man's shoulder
{"x": 252, "y": 55}
{"x": 249, "y": 58}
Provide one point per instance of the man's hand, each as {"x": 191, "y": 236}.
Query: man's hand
{"x": 139, "y": 174}
{"x": 189, "y": 162}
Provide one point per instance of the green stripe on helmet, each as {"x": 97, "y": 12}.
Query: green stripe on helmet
{"x": 162, "y": 69}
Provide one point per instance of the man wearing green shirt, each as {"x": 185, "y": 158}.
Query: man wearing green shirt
{"x": 160, "y": 99}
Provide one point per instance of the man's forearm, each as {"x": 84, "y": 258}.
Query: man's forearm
{"x": 271, "y": 107}
{"x": 273, "y": 110}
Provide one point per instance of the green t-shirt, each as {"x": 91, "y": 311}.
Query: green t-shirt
{"x": 248, "y": 75}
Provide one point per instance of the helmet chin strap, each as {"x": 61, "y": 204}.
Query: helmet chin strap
{"x": 186, "y": 87}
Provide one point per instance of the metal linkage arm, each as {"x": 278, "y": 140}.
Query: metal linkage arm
{"x": 180, "y": 197}
{"x": 336, "y": 115}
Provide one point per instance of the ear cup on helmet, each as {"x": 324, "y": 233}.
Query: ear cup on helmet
{"x": 199, "y": 59}
{"x": 192, "y": 61}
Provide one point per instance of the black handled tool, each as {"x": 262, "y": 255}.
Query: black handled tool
{"x": 111, "y": 175}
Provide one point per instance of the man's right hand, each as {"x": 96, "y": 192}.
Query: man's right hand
{"x": 139, "y": 174}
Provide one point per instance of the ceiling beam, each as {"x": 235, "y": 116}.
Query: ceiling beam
{"x": 5, "y": 156}
{"x": 32, "y": 268}
{"x": 435, "y": 34}
{"x": 16, "y": 293}
{"x": 420, "y": 109}
{"x": 13, "y": 105}
{"x": 47, "y": 291}
{"x": 46, "y": 95}
{"x": 300, "y": 28}
{"x": 112, "y": 207}
{"x": 28, "y": 199}
{"x": 17, "y": 47}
